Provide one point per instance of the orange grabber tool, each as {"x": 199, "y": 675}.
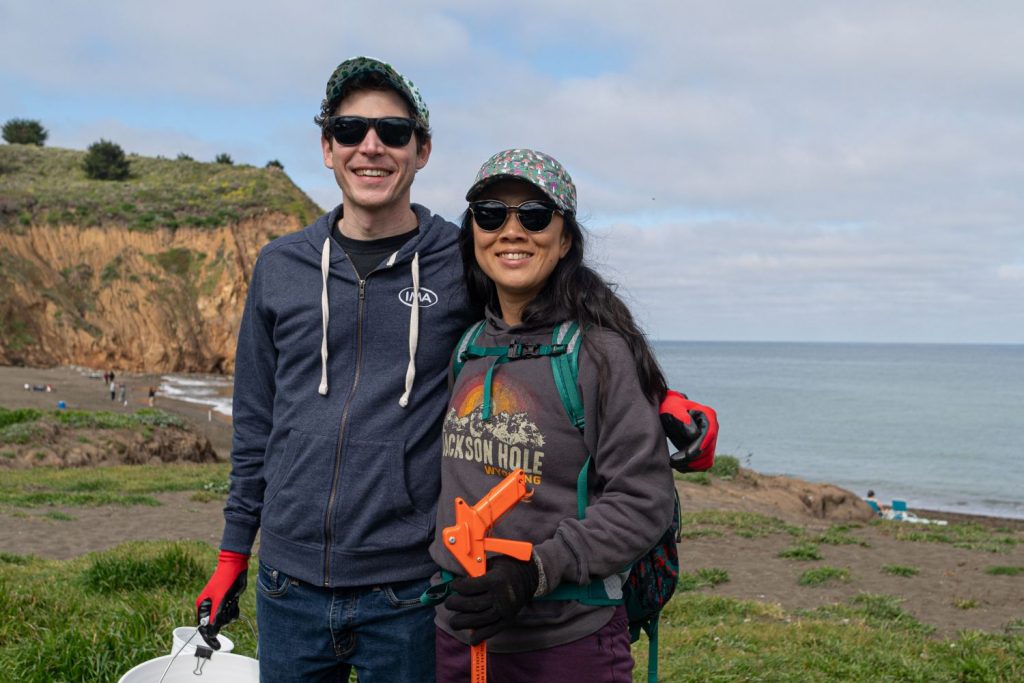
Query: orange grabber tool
{"x": 468, "y": 541}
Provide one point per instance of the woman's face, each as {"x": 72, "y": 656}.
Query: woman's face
{"x": 517, "y": 260}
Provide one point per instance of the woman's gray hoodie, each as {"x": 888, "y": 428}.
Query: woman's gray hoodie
{"x": 631, "y": 496}
{"x": 340, "y": 387}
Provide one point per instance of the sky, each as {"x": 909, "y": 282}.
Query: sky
{"x": 747, "y": 171}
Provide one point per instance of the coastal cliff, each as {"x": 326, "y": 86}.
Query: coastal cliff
{"x": 149, "y": 274}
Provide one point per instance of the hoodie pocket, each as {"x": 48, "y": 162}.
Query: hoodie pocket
{"x": 374, "y": 511}
{"x": 298, "y": 489}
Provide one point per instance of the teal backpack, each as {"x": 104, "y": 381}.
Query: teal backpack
{"x": 653, "y": 576}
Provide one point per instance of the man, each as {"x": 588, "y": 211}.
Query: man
{"x": 340, "y": 387}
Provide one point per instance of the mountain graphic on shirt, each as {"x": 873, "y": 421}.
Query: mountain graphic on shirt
{"x": 514, "y": 429}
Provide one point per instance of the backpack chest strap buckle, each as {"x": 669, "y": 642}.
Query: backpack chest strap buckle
{"x": 519, "y": 351}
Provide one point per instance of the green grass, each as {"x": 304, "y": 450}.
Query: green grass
{"x": 48, "y": 186}
{"x": 725, "y": 467}
{"x": 701, "y": 478}
{"x": 702, "y": 578}
{"x": 120, "y": 485}
{"x": 705, "y": 637}
{"x": 113, "y": 610}
{"x": 21, "y": 426}
{"x": 116, "y": 609}
{"x": 805, "y": 551}
{"x": 900, "y": 570}
{"x": 1004, "y": 571}
{"x": 838, "y": 534}
{"x": 822, "y": 575}
{"x": 745, "y": 524}
{"x": 969, "y": 536}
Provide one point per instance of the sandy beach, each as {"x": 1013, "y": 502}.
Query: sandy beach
{"x": 951, "y": 591}
{"x": 79, "y": 391}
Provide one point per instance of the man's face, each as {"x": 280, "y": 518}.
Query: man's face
{"x": 372, "y": 176}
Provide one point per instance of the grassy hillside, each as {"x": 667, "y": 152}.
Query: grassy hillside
{"x": 43, "y": 185}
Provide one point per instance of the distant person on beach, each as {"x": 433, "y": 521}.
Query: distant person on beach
{"x": 152, "y": 397}
{"x": 124, "y": 394}
{"x": 543, "y": 617}
{"x": 874, "y": 504}
{"x": 340, "y": 388}
{"x": 113, "y": 390}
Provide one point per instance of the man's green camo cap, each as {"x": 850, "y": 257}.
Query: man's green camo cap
{"x": 361, "y": 65}
{"x": 540, "y": 170}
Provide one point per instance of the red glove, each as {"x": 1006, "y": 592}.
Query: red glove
{"x": 218, "y": 602}
{"x": 693, "y": 429}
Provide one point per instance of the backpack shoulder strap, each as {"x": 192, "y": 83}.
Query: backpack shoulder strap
{"x": 566, "y": 369}
{"x": 467, "y": 338}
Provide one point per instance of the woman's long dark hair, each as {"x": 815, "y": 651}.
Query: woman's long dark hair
{"x": 573, "y": 291}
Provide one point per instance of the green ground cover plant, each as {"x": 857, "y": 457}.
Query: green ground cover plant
{"x": 95, "y": 617}
{"x": 710, "y": 638}
{"x": 746, "y": 524}
{"x": 900, "y": 570}
{"x": 116, "y": 609}
{"x": 708, "y": 577}
{"x": 49, "y": 186}
{"x": 119, "y": 485}
{"x": 91, "y": 419}
{"x": 821, "y": 575}
{"x": 725, "y": 467}
{"x": 968, "y": 535}
{"x": 805, "y": 551}
{"x": 838, "y": 534}
{"x": 1004, "y": 571}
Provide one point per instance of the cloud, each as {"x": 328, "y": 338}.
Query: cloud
{"x": 783, "y": 170}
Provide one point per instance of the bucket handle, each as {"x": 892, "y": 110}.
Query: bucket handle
{"x": 201, "y": 658}
{"x": 203, "y": 654}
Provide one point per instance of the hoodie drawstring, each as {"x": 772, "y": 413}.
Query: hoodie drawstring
{"x": 325, "y": 267}
{"x": 414, "y": 320}
{"x": 414, "y": 330}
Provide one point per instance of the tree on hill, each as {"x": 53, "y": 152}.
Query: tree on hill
{"x": 274, "y": 163}
{"x": 25, "y": 132}
{"x": 224, "y": 158}
{"x": 105, "y": 160}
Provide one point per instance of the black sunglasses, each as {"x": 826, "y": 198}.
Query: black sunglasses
{"x": 491, "y": 214}
{"x": 393, "y": 131}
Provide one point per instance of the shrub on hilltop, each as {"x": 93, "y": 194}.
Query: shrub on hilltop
{"x": 24, "y": 132}
{"x": 105, "y": 160}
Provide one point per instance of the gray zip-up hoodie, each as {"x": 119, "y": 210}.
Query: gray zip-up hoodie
{"x": 340, "y": 386}
{"x": 631, "y": 496}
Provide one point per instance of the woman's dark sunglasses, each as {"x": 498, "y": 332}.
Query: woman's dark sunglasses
{"x": 490, "y": 214}
{"x": 393, "y": 131}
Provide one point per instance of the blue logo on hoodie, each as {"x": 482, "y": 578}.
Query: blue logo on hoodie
{"x": 427, "y": 297}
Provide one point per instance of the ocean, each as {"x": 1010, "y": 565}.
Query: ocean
{"x": 939, "y": 426}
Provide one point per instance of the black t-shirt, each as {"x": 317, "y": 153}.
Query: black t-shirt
{"x": 367, "y": 254}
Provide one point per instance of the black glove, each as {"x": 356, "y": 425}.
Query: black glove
{"x": 488, "y": 604}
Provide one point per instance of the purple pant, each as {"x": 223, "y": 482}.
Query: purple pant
{"x": 601, "y": 657}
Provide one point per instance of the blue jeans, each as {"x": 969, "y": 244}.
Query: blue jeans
{"x": 309, "y": 633}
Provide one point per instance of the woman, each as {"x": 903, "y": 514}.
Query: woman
{"x": 523, "y": 254}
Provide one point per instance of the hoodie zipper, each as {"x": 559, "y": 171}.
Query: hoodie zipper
{"x": 341, "y": 434}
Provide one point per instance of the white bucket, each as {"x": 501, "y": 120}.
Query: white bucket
{"x": 220, "y": 668}
{"x": 182, "y": 634}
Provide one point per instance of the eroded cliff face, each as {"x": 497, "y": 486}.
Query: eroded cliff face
{"x": 110, "y": 297}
